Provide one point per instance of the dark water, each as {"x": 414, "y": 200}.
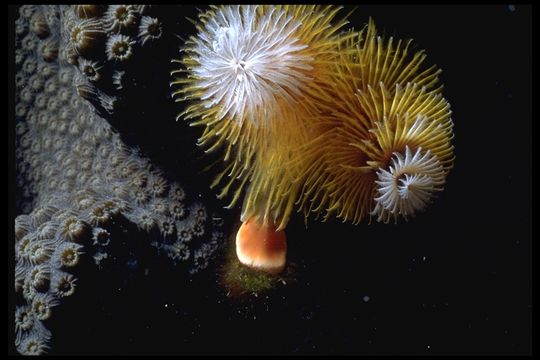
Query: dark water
{"x": 455, "y": 280}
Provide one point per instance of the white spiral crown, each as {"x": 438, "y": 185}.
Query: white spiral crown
{"x": 248, "y": 60}
{"x": 409, "y": 185}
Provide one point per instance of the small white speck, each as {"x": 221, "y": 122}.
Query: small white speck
{"x": 511, "y": 8}
{"x": 366, "y": 298}
{"x": 166, "y": 305}
{"x": 423, "y": 258}
{"x": 429, "y": 346}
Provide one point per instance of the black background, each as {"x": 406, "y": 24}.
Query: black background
{"x": 454, "y": 280}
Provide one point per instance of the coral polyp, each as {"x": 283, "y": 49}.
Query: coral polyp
{"x": 84, "y": 34}
{"x": 119, "y": 47}
{"x": 119, "y": 17}
{"x": 149, "y": 30}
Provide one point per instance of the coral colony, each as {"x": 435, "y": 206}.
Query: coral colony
{"x": 310, "y": 117}
{"x": 75, "y": 173}
{"x": 305, "y": 114}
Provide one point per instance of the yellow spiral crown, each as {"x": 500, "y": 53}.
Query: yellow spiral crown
{"x": 383, "y": 104}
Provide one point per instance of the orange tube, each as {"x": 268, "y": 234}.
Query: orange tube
{"x": 261, "y": 247}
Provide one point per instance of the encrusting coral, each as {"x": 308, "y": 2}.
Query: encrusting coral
{"x": 75, "y": 175}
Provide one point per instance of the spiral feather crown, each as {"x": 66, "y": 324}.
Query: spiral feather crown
{"x": 409, "y": 185}
{"x": 383, "y": 104}
{"x": 249, "y": 63}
